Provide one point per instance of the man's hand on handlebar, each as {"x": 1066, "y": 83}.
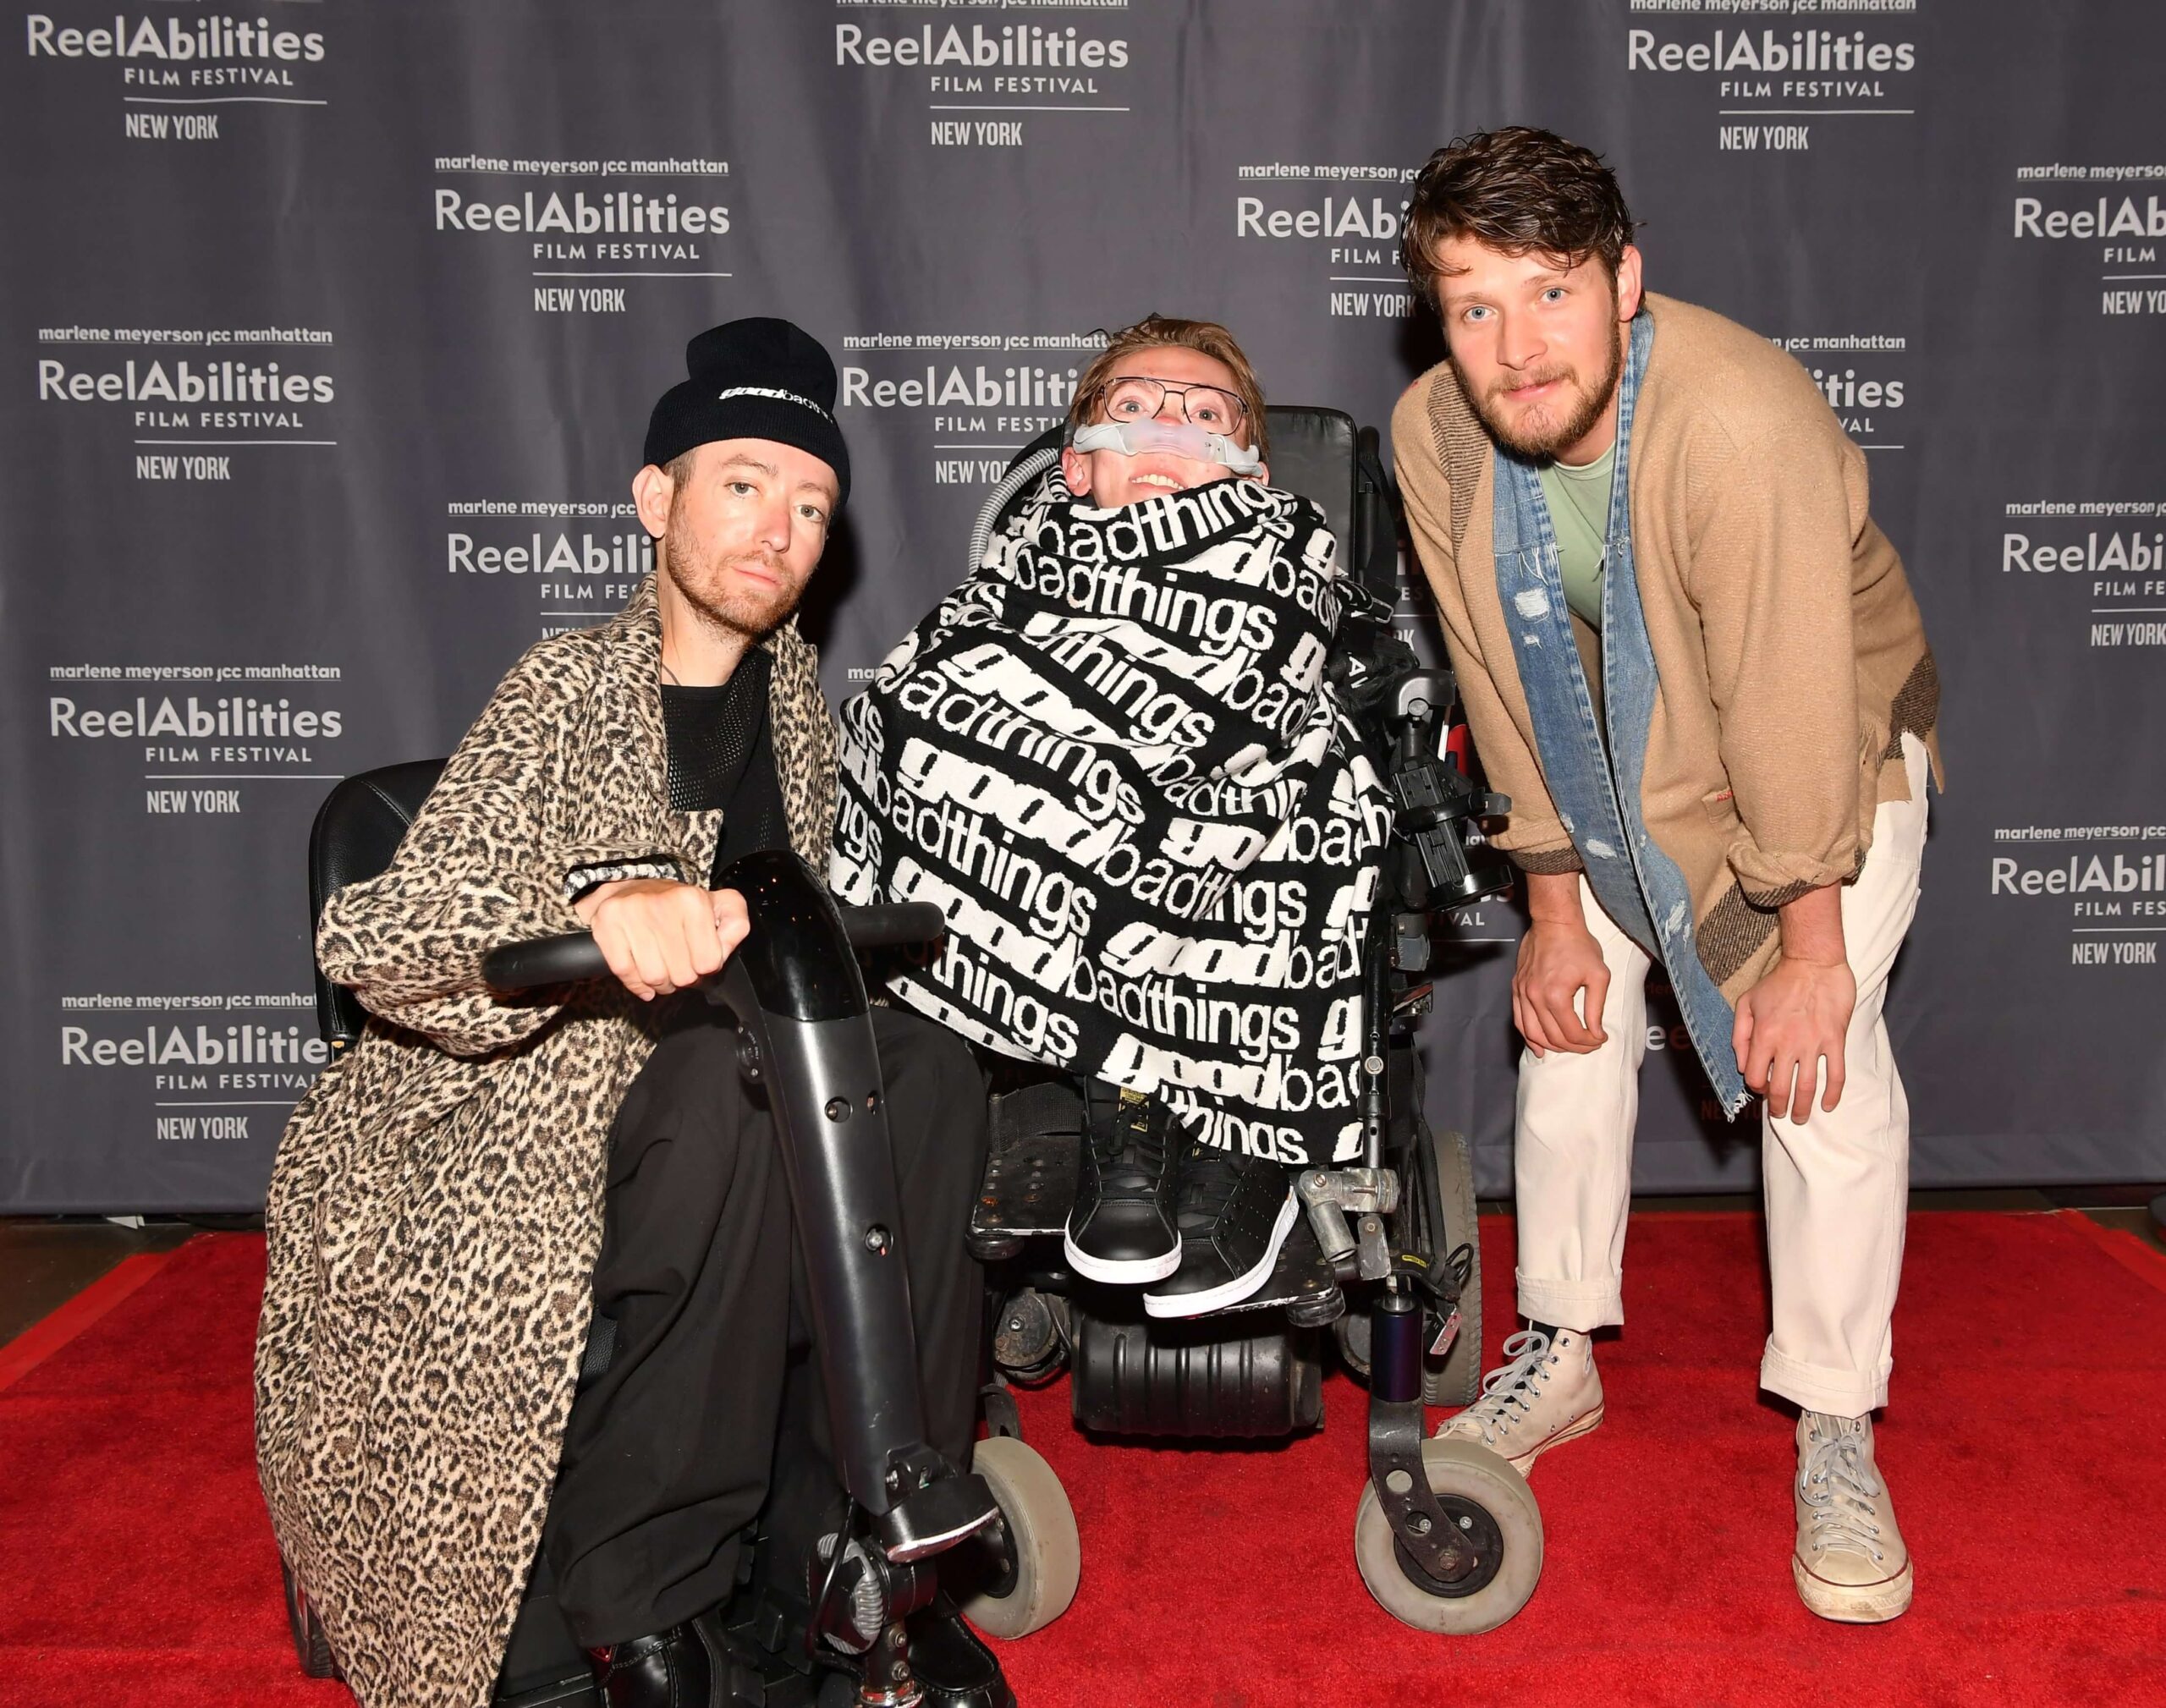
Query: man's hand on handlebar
{"x": 660, "y": 937}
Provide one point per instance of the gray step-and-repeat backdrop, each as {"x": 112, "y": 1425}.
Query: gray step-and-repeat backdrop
{"x": 330, "y": 331}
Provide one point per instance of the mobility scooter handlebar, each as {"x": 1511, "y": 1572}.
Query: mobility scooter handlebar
{"x": 573, "y": 958}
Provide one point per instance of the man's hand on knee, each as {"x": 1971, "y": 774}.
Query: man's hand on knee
{"x": 1559, "y": 958}
{"x": 660, "y": 937}
{"x": 1798, "y": 1016}
{"x": 1788, "y": 1025}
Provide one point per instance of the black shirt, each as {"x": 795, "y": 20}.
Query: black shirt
{"x": 721, "y": 756}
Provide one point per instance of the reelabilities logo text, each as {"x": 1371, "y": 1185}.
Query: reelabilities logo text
{"x": 1027, "y": 46}
{"x": 563, "y": 554}
{"x": 211, "y": 382}
{"x": 1020, "y": 387}
{"x": 2146, "y": 875}
{"x": 614, "y": 213}
{"x": 173, "y": 39}
{"x": 1798, "y": 50}
{"x": 230, "y": 717}
{"x": 2114, "y": 553}
{"x": 165, "y": 1047}
{"x": 2104, "y": 218}
{"x": 1333, "y": 216}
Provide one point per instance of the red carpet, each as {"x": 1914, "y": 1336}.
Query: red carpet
{"x": 2026, "y": 1449}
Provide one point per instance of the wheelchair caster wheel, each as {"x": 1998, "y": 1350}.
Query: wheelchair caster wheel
{"x": 1036, "y": 1589}
{"x": 1458, "y": 1471}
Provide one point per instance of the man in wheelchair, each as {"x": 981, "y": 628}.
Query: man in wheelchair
{"x": 534, "y": 1319}
{"x": 1113, "y": 759}
{"x": 1181, "y": 793}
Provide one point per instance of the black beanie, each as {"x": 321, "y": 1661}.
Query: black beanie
{"x": 753, "y": 379}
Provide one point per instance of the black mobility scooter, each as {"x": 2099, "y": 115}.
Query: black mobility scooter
{"x": 799, "y": 999}
{"x": 1447, "y": 1535}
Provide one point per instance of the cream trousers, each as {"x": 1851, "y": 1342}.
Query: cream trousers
{"x": 1837, "y": 1186}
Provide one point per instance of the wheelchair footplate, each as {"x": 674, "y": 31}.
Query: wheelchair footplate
{"x": 1029, "y": 1187}
{"x": 1030, "y": 1171}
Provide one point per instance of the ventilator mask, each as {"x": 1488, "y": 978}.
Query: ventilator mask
{"x": 1175, "y": 438}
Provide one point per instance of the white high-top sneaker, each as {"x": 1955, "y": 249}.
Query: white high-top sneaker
{"x": 1851, "y": 1563}
{"x": 1543, "y": 1396}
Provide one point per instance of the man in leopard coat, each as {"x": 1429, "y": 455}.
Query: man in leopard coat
{"x": 465, "y": 1188}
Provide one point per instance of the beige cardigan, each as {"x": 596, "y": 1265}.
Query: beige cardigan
{"x": 1792, "y": 656}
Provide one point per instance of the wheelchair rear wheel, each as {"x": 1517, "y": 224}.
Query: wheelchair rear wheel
{"x": 1448, "y": 1194}
{"x": 1460, "y": 1473}
{"x": 1047, "y": 1553}
{"x": 1439, "y": 1212}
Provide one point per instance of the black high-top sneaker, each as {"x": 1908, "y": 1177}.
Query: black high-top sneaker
{"x": 1121, "y": 1228}
{"x": 1233, "y": 1213}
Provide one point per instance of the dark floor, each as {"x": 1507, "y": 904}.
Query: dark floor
{"x": 44, "y": 1261}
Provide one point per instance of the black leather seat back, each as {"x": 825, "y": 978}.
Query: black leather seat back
{"x": 357, "y": 830}
{"x": 1312, "y": 454}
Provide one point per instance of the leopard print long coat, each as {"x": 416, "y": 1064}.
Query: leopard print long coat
{"x": 435, "y": 1210}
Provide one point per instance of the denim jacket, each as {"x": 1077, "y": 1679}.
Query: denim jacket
{"x": 1597, "y": 789}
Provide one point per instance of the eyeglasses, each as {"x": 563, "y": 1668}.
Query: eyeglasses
{"x": 1138, "y": 398}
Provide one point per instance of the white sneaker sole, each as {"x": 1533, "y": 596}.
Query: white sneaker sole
{"x": 1178, "y": 1304}
{"x": 1132, "y": 1271}
{"x": 1524, "y": 1463}
{"x": 1853, "y": 1604}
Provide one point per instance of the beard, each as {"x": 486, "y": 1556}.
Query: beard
{"x": 1539, "y": 434}
{"x": 719, "y": 600}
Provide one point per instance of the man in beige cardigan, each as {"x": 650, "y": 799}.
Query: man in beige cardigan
{"x": 1693, "y": 661}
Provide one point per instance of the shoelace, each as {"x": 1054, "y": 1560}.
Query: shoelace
{"x": 1209, "y": 1178}
{"x": 1509, "y": 1384}
{"x": 1841, "y": 1494}
{"x": 1131, "y": 1163}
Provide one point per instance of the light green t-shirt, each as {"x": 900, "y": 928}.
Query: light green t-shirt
{"x": 1578, "y": 515}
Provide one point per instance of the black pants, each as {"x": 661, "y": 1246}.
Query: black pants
{"x": 712, "y": 1411}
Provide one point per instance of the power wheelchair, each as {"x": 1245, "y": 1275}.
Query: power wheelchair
{"x": 1447, "y": 1535}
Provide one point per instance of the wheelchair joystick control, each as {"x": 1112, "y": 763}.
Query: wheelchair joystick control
{"x": 1447, "y": 860}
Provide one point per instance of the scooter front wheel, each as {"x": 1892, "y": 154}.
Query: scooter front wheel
{"x": 1033, "y": 1585}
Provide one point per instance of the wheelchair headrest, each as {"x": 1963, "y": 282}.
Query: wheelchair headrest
{"x": 1313, "y": 453}
{"x": 357, "y": 830}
